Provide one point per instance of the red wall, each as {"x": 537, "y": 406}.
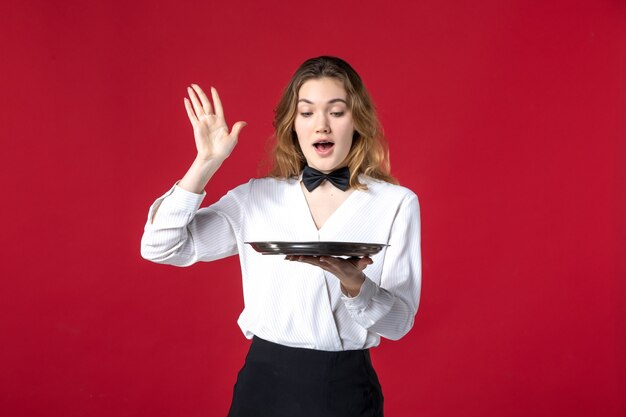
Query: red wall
{"x": 507, "y": 118}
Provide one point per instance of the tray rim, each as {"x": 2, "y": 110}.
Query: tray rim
{"x": 312, "y": 243}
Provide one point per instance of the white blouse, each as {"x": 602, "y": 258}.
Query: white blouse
{"x": 293, "y": 303}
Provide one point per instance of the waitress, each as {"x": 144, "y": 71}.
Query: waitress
{"x": 312, "y": 319}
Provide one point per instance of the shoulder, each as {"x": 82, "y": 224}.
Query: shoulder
{"x": 263, "y": 188}
{"x": 270, "y": 182}
{"x": 383, "y": 189}
{"x": 400, "y": 202}
{"x": 265, "y": 183}
{"x": 270, "y": 185}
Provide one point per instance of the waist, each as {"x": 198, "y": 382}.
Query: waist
{"x": 312, "y": 363}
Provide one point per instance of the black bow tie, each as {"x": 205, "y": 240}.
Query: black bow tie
{"x": 312, "y": 178}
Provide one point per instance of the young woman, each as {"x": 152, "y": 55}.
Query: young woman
{"x": 311, "y": 319}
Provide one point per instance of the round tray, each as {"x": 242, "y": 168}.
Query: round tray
{"x": 317, "y": 248}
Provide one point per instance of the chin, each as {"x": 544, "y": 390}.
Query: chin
{"x": 324, "y": 166}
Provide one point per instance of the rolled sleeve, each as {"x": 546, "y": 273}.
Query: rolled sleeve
{"x": 370, "y": 305}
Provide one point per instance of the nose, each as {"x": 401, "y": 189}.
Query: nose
{"x": 322, "y": 124}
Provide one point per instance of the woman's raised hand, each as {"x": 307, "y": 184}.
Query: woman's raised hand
{"x": 213, "y": 139}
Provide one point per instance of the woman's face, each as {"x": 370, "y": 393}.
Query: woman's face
{"x": 324, "y": 123}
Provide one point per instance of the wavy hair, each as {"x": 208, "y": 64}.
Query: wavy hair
{"x": 369, "y": 154}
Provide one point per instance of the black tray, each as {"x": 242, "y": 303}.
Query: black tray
{"x": 317, "y": 248}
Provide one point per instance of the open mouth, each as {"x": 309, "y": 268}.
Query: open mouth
{"x": 323, "y": 145}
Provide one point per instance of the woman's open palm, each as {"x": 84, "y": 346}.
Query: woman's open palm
{"x": 213, "y": 139}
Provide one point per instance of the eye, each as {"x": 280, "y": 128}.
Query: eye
{"x": 337, "y": 113}
{"x": 306, "y": 114}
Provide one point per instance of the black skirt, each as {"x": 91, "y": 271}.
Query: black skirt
{"x": 279, "y": 381}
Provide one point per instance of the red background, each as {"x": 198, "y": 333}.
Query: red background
{"x": 507, "y": 118}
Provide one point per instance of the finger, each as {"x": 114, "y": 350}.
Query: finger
{"x": 339, "y": 266}
{"x": 333, "y": 261}
{"x": 237, "y": 128}
{"x": 364, "y": 262}
{"x": 311, "y": 260}
{"x": 206, "y": 104}
{"x": 197, "y": 107}
{"x": 306, "y": 258}
{"x": 334, "y": 265}
{"x": 327, "y": 259}
{"x": 365, "y": 259}
{"x": 219, "y": 110}
{"x": 192, "y": 116}
{"x": 360, "y": 262}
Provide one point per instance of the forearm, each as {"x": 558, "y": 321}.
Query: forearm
{"x": 380, "y": 311}
{"x": 166, "y": 237}
{"x": 196, "y": 178}
{"x": 183, "y": 234}
{"x": 396, "y": 323}
{"x": 199, "y": 174}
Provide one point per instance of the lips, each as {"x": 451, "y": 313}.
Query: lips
{"x": 323, "y": 145}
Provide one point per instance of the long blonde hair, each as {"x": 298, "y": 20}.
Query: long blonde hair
{"x": 369, "y": 154}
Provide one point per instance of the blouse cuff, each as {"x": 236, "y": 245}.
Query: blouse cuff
{"x": 372, "y": 304}
{"x": 176, "y": 201}
{"x": 362, "y": 299}
{"x": 185, "y": 198}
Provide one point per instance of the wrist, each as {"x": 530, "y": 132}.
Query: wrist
{"x": 207, "y": 161}
{"x": 353, "y": 287}
{"x": 199, "y": 174}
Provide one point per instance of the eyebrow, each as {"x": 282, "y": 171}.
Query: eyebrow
{"x": 335, "y": 100}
